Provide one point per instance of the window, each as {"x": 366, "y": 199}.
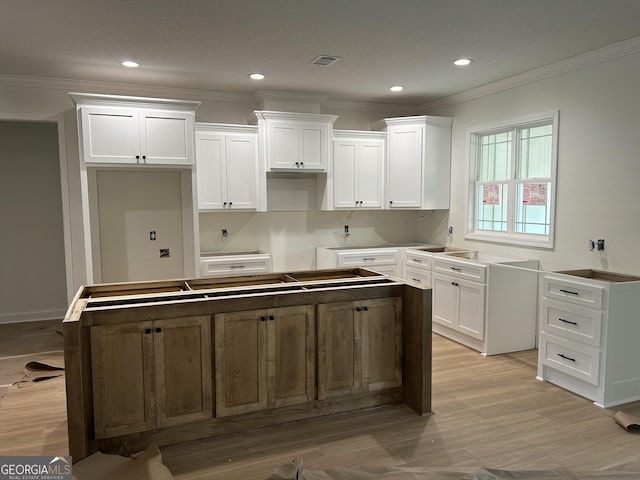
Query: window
{"x": 512, "y": 177}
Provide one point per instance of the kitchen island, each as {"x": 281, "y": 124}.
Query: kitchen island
{"x": 177, "y": 360}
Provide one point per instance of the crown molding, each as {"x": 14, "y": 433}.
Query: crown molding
{"x": 600, "y": 55}
{"x": 126, "y": 89}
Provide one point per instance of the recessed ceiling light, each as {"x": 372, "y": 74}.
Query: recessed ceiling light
{"x": 461, "y": 62}
{"x": 396, "y": 88}
{"x": 256, "y": 76}
{"x": 130, "y": 64}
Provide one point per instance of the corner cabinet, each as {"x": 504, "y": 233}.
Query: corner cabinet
{"x": 227, "y": 165}
{"x": 295, "y": 141}
{"x": 135, "y": 131}
{"x": 357, "y": 169}
{"x": 164, "y": 366}
{"x": 418, "y": 173}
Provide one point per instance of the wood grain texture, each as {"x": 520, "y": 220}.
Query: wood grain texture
{"x": 489, "y": 411}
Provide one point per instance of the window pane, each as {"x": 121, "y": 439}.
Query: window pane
{"x": 494, "y": 156}
{"x": 533, "y": 208}
{"x": 492, "y": 207}
{"x": 535, "y": 151}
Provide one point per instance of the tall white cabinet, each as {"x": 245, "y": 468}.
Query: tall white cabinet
{"x": 357, "y": 169}
{"x": 227, "y": 166}
{"x": 418, "y": 172}
{"x": 136, "y": 133}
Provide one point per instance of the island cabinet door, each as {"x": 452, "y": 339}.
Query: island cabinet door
{"x": 381, "y": 343}
{"x": 339, "y": 350}
{"x": 123, "y": 378}
{"x": 290, "y": 355}
{"x": 240, "y": 362}
{"x": 183, "y": 370}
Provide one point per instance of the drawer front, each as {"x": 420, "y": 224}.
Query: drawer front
{"x": 572, "y": 322}
{"x": 418, "y": 276}
{"x": 368, "y": 258}
{"x": 571, "y": 358}
{"x": 213, "y": 267}
{"x": 573, "y": 292}
{"x": 467, "y": 270}
{"x": 417, "y": 260}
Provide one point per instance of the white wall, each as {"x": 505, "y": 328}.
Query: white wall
{"x": 598, "y": 161}
{"x": 291, "y": 237}
{"x": 32, "y": 262}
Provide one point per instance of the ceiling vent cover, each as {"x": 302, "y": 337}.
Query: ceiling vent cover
{"x": 325, "y": 60}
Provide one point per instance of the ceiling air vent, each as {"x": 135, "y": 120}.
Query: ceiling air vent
{"x": 325, "y": 60}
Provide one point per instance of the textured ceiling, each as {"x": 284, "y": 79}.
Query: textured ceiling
{"x": 214, "y": 44}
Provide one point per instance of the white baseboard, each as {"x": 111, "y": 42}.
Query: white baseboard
{"x": 19, "y": 317}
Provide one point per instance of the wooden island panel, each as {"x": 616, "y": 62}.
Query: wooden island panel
{"x": 251, "y": 351}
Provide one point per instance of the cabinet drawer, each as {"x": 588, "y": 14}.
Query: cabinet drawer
{"x": 571, "y": 358}
{"x": 419, "y": 276}
{"x": 368, "y": 258}
{"x": 470, "y": 271}
{"x": 417, "y": 260}
{"x": 573, "y": 292}
{"x": 213, "y": 267}
{"x": 572, "y": 322}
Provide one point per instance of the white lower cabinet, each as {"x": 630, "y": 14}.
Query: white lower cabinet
{"x": 588, "y": 334}
{"x": 490, "y": 307}
{"x": 459, "y": 304}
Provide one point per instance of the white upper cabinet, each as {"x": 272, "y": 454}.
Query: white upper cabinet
{"x": 358, "y": 160}
{"x": 418, "y": 172}
{"x": 295, "y": 141}
{"x": 226, "y": 166}
{"x": 135, "y": 131}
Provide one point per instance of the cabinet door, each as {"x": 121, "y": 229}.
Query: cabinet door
{"x": 381, "y": 343}
{"x": 344, "y": 173}
{"x": 471, "y": 299}
{"x": 211, "y": 170}
{"x": 282, "y": 145}
{"x": 290, "y": 355}
{"x": 445, "y": 300}
{"x": 110, "y": 135}
{"x": 339, "y": 350}
{"x": 406, "y": 154}
{"x": 183, "y": 370}
{"x": 122, "y": 363}
{"x": 369, "y": 174}
{"x": 241, "y": 362}
{"x": 241, "y": 171}
{"x": 312, "y": 138}
{"x": 166, "y": 138}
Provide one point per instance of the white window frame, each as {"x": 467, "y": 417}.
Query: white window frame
{"x": 510, "y": 236}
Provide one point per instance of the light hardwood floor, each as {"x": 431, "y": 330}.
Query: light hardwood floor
{"x": 489, "y": 412}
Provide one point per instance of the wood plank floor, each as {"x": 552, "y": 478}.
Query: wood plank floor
{"x": 489, "y": 412}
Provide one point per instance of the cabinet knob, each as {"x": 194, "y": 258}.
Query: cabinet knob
{"x": 263, "y": 319}
{"x": 358, "y": 309}
{"x": 158, "y": 330}
{"x": 366, "y": 309}
{"x": 230, "y": 203}
{"x": 455, "y": 284}
{"x": 147, "y": 331}
{"x": 302, "y": 164}
{"x": 224, "y": 203}
{"x": 390, "y": 202}
{"x": 137, "y": 157}
{"x": 144, "y": 157}
{"x": 297, "y": 164}
{"x": 272, "y": 317}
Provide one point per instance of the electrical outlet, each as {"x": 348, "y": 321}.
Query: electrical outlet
{"x": 164, "y": 253}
